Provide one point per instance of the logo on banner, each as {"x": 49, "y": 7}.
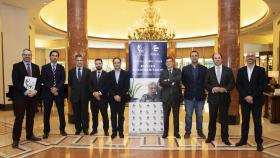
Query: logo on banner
{"x": 140, "y": 50}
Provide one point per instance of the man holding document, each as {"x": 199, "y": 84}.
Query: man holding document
{"x": 26, "y": 80}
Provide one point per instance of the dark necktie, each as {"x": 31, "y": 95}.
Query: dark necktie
{"x": 54, "y": 70}
{"x": 29, "y": 70}
{"x": 79, "y": 74}
{"x": 170, "y": 73}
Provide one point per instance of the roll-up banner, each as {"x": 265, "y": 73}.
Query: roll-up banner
{"x": 146, "y": 61}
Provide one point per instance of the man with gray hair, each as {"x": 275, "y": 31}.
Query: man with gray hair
{"x": 152, "y": 95}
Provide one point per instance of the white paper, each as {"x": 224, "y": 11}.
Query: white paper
{"x": 29, "y": 82}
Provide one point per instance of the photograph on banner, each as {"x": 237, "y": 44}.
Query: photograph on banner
{"x": 145, "y": 90}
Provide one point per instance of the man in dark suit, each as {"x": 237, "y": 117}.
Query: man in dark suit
{"x": 99, "y": 97}
{"x": 53, "y": 78}
{"x": 118, "y": 86}
{"x": 219, "y": 82}
{"x": 78, "y": 80}
{"x": 25, "y": 99}
{"x": 170, "y": 80}
{"x": 251, "y": 83}
{"x": 193, "y": 78}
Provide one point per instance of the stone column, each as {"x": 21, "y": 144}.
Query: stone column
{"x": 228, "y": 45}
{"x": 77, "y": 38}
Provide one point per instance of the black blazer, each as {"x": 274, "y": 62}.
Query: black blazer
{"x": 18, "y": 74}
{"x": 48, "y": 78}
{"x": 79, "y": 89}
{"x": 121, "y": 88}
{"x": 255, "y": 87}
{"x": 188, "y": 82}
{"x": 169, "y": 90}
{"x": 101, "y": 85}
{"x": 227, "y": 81}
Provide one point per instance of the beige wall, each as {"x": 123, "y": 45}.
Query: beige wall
{"x": 40, "y": 57}
{"x": 15, "y": 38}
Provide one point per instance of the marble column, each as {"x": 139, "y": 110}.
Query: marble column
{"x": 77, "y": 38}
{"x": 228, "y": 45}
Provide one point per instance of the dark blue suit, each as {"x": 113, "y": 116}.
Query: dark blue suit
{"x": 48, "y": 81}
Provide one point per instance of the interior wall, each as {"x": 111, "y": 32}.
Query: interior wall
{"x": 15, "y": 39}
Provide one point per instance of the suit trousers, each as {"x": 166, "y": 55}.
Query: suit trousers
{"x": 80, "y": 110}
{"x": 166, "y": 112}
{"x": 256, "y": 110}
{"x": 222, "y": 108}
{"x": 117, "y": 116}
{"x": 95, "y": 107}
{"x": 22, "y": 106}
{"x": 48, "y": 103}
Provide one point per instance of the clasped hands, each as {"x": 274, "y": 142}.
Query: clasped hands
{"x": 249, "y": 99}
{"x": 30, "y": 93}
{"x": 219, "y": 90}
{"x": 54, "y": 91}
{"x": 97, "y": 95}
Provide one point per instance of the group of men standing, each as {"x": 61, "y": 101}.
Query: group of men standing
{"x": 219, "y": 82}
{"x": 98, "y": 87}
{"x": 101, "y": 87}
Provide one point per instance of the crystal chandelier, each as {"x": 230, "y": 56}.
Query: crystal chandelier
{"x": 150, "y": 27}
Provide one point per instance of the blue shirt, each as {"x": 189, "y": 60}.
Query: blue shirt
{"x": 117, "y": 75}
{"x": 77, "y": 70}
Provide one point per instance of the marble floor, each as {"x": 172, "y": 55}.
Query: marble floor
{"x": 133, "y": 146}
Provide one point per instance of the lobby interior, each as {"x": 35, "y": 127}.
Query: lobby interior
{"x": 101, "y": 29}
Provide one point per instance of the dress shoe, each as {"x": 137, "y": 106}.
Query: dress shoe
{"x": 63, "y": 133}
{"x": 15, "y": 144}
{"x": 227, "y": 142}
{"x": 106, "y": 133}
{"x": 201, "y": 135}
{"x": 208, "y": 140}
{"x": 165, "y": 135}
{"x": 114, "y": 134}
{"x": 93, "y": 133}
{"x": 259, "y": 147}
{"x": 121, "y": 135}
{"x": 240, "y": 143}
{"x": 33, "y": 138}
{"x": 187, "y": 135}
{"x": 46, "y": 135}
{"x": 177, "y": 135}
{"x": 85, "y": 132}
{"x": 77, "y": 132}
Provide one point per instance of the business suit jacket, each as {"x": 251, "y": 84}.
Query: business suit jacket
{"x": 48, "y": 79}
{"x": 188, "y": 81}
{"x": 227, "y": 81}
{"x": 100, "y": 85}
{"x": 121, "y": 88}
{"x": 255, "y": 87}
{"x": 170, "y": 91}
{"x": 18, "y": 74}
{"x": 79, "y": 89}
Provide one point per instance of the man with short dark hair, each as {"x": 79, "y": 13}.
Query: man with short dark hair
{"x": 53, "y": 77}
{"x": 99, "y": 97}
{"x": 25, "y": 99}
{"x": 193, "y": 78}
{"x": 170, "y": 80}
{"x": 78, "y": 80}
{"x": 118, "y": 86}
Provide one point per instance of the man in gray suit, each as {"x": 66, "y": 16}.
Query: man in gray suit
{"x": 170, "y": 80}
{"x": 219, "y": 82}
{"x": 78, "y": 80}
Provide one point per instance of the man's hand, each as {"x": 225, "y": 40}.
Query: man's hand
{"x": 96, "y": 95}
{"x": 54, "y": 91}
{"x": 32, "y": 93}
{"x": 215, "y": 89}
{"x": 249, "y": 99}
{"x": 117, "y": 98}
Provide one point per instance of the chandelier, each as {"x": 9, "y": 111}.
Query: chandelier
{"x": 150, "y": 27}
